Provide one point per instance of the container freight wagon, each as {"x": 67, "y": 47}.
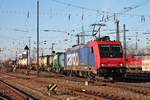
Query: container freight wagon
{"x": 45, "y": 61}
{"x": 58, "y": 62}
{"x": 146, "y": 63}
{"x": 22, "y": 63}
{"x": 103, "y": 57}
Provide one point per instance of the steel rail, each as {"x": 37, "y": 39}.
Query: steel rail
{"x": 25, "y": 95}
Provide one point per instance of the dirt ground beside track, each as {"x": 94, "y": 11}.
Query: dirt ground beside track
{"x": 68, "y": 88}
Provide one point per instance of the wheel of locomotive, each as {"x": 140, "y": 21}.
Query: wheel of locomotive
{"x": 80, "y": 73}
{"x": 85, "y": 74}
{"x": 68, "y": 72}
{"x": 91, "y": 75}
{"x": 71, "y": 73}
{"x": 77, "y": 73}
{"x": 118, "y": 75}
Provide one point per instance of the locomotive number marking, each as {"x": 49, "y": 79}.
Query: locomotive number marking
{"x": 72, "y": 59}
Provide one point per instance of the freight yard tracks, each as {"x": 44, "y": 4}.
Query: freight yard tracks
{"x": 133, "y": 88}
{"x": 7, "y": 91}
{"x": 75, "y": 89}
{"x": 138, "y": 76}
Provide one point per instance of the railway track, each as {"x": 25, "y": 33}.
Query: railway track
{"x": 141, "y": 90}
{"x": 137, "y": 77}
{"x": 130, "y": 77}
{"x": 132, "y": 88}
{"x": 112, "y": 96}
{"x": 93, "y": 94}
{"x": 144, "y": 90}
{"x": 99, "y": 82}
{"x": 127, "y": 86}
{"x": 96, "y": 95}
{"x": 9, "y": 92}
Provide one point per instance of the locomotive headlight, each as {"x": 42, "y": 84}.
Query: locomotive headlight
{"x": 102, "y": 65}
{"x": 121, "y": 65}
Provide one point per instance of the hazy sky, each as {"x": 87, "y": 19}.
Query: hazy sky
{"x": 18, "y": 22}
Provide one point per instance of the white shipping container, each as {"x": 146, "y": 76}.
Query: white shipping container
{"x": 145, "y": 65}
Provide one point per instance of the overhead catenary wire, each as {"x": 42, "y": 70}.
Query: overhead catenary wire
{"x": 127, "y": 9}
{"x": 95, "y": 10}
{"x": 80, "y": 7}
{"x": 47, "y": 14}
{"x": 106, "y": 15}
{"x": 124, "y": 12}
{"x": 77, "y": 6}
{"x": 105, "y": 12}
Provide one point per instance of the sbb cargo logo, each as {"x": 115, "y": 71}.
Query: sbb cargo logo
{"x": 72, "y": 59}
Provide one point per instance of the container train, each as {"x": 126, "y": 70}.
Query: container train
{"x": 102, "y": 57}
{"x": 99, "y": 57}
{"x": 45, "y": 61}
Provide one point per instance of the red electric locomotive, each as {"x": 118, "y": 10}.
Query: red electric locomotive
{"x": 101, "y": 56}
{"x": 109, "y": 60}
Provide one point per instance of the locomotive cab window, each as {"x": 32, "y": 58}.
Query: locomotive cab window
{"x": 104, "y": 51}
{"x": 116, "y": 51}
{"x": 110, "y": 51}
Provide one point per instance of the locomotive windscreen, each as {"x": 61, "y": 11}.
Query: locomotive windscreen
{"x": 110, "y": 51}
